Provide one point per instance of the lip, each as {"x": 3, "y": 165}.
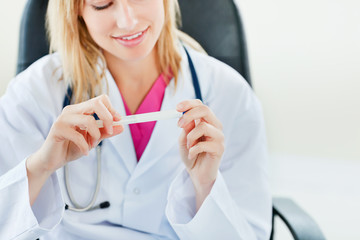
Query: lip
{"x": 132, "y": 42}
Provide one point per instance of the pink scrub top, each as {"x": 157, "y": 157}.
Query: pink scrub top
{"x": 141, "y": 132}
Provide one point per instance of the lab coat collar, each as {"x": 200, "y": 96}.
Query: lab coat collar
{"x": 122, "y": 144}
{"x": 166, "y": 132}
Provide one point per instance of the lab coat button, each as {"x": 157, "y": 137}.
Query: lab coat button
{"x": 136, "y": 191}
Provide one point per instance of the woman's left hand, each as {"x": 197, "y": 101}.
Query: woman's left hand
{"x": 201, "y": 145}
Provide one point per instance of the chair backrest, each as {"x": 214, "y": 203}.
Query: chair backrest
{"x": 215, "y": 24}
{"x": 33, "y": 43}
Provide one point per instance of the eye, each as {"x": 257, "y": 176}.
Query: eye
{"x": 98, "y": 8}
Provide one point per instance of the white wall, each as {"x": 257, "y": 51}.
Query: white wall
{"x": 10, "y": 16}
{"x": 305, "y": 63}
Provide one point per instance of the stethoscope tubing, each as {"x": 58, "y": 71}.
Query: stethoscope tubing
{"x": 77, "y": 207}
{"x": 90, "y": 206}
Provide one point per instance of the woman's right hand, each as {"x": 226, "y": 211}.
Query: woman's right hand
{"x": 73, "y": 135}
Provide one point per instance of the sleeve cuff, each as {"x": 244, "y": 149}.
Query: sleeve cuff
{"x": 24, "y": 221}
{"x": 49, "y": 206}
{"x": 218, "y": 214}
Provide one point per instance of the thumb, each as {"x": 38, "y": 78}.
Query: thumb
{"x": 116, "y": 130}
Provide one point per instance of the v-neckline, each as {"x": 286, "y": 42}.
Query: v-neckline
{"x": 147, "y": 105}
{"x": 141, "y": 132}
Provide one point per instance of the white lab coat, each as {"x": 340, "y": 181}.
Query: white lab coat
{"x": 152, "y": 199}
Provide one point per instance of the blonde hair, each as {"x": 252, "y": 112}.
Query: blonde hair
{"x": 69, "y": 36}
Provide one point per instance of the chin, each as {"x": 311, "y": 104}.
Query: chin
{"x": 135, "y": 54}
{"x": 132, "y": 57}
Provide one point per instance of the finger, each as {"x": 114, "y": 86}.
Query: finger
{"x": 185, "y": 132}
{"x": 104, "y": 114}
{"x": 117, "y": 130}
{"x": 204, "y": 130}
{"x": 187, "y": 104}
{"x": 199, "y": 112}
{"x": 213, "y": 148}
{"x": 62, "y": 133}
{"x": 87, "y": 107}
{"x": 83, "y": 122}
{"x": 188, "y": 127}
{"x": 182, "y": 139}
{"x": 183, "y": 149}
{"x": 101, "y": 106}
{"x": 90, "y": 140}
{"x": 105, "y": 99}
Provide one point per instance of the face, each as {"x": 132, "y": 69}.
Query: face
{"x": 125, "y": 29}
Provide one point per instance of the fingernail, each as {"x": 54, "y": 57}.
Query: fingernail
{"x": 111, "y": 131}
{"x": 180, "y": 106}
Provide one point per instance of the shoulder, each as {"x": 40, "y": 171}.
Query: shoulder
{"x": 225, "y": 91}
{"x": 39, "y": 84}
{"x": 29, "y": 106}
{"x": 216, "y": 76}
{"x": 41, "y": 74}
{"x": 219, "y": 81}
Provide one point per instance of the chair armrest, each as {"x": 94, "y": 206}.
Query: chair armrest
{"x": 300, "y": 224}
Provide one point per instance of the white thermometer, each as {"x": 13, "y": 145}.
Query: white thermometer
{"x": 144, "y": 117}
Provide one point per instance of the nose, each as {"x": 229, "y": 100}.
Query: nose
{"x": 125, "y": 16}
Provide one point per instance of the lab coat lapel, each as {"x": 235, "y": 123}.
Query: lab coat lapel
{"x": 166, "y": 132}
{"x": 122, "y": 144}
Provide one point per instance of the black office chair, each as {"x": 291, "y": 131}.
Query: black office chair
{"x": 217, "y": 26}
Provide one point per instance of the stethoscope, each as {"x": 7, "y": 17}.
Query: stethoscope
{"x": 77, "y": 207}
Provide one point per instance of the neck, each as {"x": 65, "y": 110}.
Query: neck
{"x": 135, "y": 78}
{"x": 133, "y": 73}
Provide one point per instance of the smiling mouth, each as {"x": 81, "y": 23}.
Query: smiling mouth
{"x": 133, "y": 36}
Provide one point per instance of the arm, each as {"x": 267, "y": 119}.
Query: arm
{"x": 201, "y": 146}
{"x": 29, "y": 189}
{"x": 239, "y": 201}
{"x": 20, "y": 219}
{"x": 73, "y": 135}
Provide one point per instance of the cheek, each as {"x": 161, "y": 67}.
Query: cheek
{"x": 157, "y": 14}
{"x": 98, "y": 28}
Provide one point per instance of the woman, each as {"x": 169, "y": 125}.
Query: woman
{"x": 204, "y": 179}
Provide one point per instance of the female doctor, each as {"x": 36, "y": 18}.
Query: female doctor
{"x": 202, "y": 176}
